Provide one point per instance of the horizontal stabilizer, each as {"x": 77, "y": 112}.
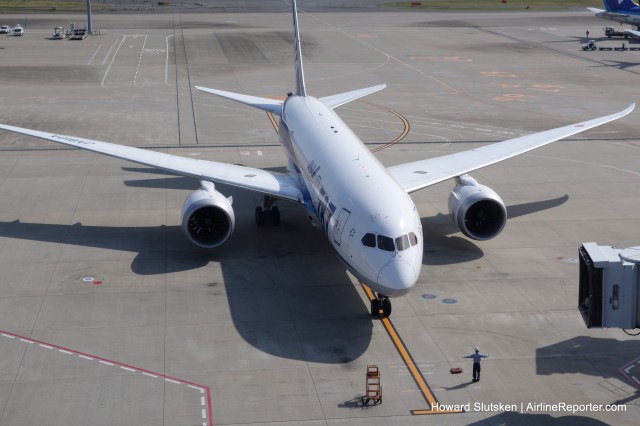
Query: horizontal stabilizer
{"x": 270, "y": 105}
{"x": 335, "y": 101}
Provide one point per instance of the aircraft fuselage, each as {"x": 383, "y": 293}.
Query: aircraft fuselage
{"x": 370, "y": 222}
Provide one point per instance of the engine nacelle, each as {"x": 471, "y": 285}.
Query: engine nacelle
{"x": 478, "y": 211}
{"x": 207, "y": 216}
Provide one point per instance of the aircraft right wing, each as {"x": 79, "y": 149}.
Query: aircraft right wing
{"x": 276, "y": 184}
{"x": 633, "y": 32}
{"x": 420, "y": 174}
{"x": 606, "y": 14}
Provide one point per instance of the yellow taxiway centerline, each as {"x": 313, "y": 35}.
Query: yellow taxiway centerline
{"x": 427, "y": 394}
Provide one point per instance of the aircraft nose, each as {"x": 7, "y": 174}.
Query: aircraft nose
{"x": 398, "y": 276}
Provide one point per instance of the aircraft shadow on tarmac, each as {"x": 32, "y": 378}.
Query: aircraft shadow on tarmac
{"x": 594, "y": 356}
{"x": 287, "y": 298}
{"x": 442, "y": 247}
{"x": 530, "y": 419}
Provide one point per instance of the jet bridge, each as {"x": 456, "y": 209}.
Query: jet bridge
{"x": 609, "y": 294}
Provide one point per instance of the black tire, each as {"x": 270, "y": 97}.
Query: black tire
{"x": 275, "y": 216}
{"x": 375, "y": 308}
{"x": 386, "y": 307}
{"x": 259, "y": 217}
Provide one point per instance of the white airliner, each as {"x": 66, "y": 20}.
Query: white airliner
{"x": 364, "y": 208}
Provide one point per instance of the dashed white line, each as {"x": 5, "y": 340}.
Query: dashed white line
{"x": 172, "y": 381}
{"x": 204, "y": 413}
{"x": 202, "y": 402}
{"x": 86, "y": 357}
{"x": 10, "y": 337}
{"x": 127, "y": 368}
{"x": 636, "y": 379}
{"x": 194, "y": 387}
{"x": 46, "y": 346}
{"x": 106, "y": 363}
{"x": 26, "y": 341}
{"x": 150, "y": 375}
{"x": 626, "y": 370}
{"x": 65, "y": 352}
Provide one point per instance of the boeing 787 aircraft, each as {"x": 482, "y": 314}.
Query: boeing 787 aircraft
{"x": 364, "y": 208}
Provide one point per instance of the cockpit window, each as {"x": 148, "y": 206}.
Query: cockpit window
{"x": 402, "y": 242}
{"x": 413, "y": 239}
{"x": 369, "y": 240}
{"x": 386, "y": 243}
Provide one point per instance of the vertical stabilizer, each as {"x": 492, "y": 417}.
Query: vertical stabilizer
{"x": 619, "y": 5}
{"x": 300, "y": 89}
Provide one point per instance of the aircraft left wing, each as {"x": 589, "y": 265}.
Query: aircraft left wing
{"x": 420, "y": 174}
{"x": 278, "y": 185}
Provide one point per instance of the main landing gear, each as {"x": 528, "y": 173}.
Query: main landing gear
{"x": 381, "y": 306}
{"x": 267, "y": 212}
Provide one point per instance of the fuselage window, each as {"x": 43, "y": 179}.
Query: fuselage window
{"x": 369, "y": 240}
{"x": 402, "y": 242}
{"x": 413, "y": 239}
{"x": 386, "y": 243}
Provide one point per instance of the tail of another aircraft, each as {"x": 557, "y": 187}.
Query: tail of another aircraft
{"x": 619, "y": 5}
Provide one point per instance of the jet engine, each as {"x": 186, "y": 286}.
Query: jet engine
{"x": 478, "y": 211}
{"x": 207, "y": 216}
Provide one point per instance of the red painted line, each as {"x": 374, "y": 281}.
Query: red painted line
{"x": 30, "y": 340}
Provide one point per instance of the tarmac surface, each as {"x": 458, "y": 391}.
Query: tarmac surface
{"x": 109, "y": 316}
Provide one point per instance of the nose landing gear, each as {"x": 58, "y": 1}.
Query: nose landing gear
{"x": 381, "y": 306}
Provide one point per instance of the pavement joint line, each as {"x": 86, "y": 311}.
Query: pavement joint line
{"x": 205, "y": 400}
{"x": 413, "y": 368}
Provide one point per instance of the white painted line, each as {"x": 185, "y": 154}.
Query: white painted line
{"x": 259, "y": 152}
{"x": 196, "y": 388}
{"x": 10, "y": 337}
{"x": 65, "y": 352}
{"x": 94, "y": 55}
{"x": 106, "y": 363}
{"x": 636, "y": 380}
{"x": 172, "y": 381}
{"x": 127, "y": 368}
{"x": 26, "y": 341}
{"x": 202, "y": 400}
{"x": 86, "y": 357}
{"x": 626, "y": 370}
{"x": 150, "y": 375}
{"x": 46, "y": 346}
{"x": 204, "y": 413}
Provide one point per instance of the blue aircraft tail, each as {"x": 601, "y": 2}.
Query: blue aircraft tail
{"x": 619, "y": 5}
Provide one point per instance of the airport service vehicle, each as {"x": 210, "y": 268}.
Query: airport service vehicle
{"x": 18, "y": 30}
{"x": 78, "y": 34}
{"x": 363, "y": 207}
{"x": 591, "y": 45}
{"x": 5, "y": 29}
{"x": 58, "y": 33}
{"x": 611, "y": 32}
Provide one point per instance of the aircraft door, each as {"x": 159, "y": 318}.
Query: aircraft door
{"x": 343, "y": 217}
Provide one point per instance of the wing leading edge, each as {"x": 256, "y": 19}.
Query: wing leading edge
{"x": 420, "y": 174}
{"x": 279, "y": 185}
